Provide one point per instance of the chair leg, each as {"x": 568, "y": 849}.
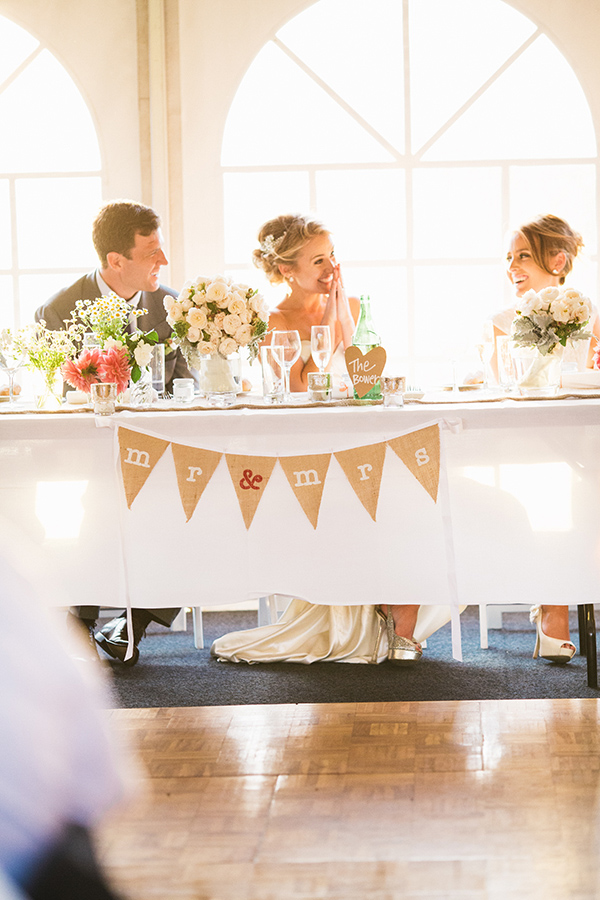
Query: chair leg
{"x": 483, "y": 627}
{"x": 590, "y": 632}
{"x": 582, "y": 629}
{"x": 198, "y": 627}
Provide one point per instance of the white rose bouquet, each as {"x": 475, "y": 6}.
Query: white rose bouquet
{"x": 217, "y": 316}
{"x": 549, "y": 317}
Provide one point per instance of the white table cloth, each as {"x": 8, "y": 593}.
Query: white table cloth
{"x": 523, "y": 489}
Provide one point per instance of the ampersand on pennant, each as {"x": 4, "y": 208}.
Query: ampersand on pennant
{"x": 250, "y": 481}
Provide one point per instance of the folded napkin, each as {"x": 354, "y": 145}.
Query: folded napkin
{"x": 581, "y": 381}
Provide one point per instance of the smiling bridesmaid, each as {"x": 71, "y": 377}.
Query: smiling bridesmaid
{"x": 541, "y": 254}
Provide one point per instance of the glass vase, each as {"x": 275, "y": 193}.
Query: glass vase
{"x": 220, "y": 377}
{"x": 537, "y": 375}
{"x": 48, "y": 389}
{"x": 141, "y": 392}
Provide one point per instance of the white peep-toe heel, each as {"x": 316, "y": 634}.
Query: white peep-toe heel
{"x": 554, "y": 649}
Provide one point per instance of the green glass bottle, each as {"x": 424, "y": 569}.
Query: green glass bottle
{"x": 366, "y": 338}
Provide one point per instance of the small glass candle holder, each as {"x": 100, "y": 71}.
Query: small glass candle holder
{"x": 104, "y": 397}
{"x": 392, "y": 389}
{"x": 183, "y": 390}
{"x": 319, "y": 386}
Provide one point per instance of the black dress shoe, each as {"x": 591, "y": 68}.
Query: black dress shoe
{"x": 85, "y": 645}
{"x": 114, "y": 637}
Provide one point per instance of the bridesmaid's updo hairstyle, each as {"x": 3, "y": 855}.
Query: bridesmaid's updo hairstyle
{"x": 548, "y": 235}
{"x": 281, "y": 240}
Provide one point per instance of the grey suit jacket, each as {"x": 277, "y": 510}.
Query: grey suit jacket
{"x": 59, "y": 307}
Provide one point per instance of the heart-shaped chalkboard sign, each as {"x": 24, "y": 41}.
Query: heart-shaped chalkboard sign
{"x": 364, "y": 369}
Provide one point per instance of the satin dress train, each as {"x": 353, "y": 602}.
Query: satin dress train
{"x": 307, "y": 633}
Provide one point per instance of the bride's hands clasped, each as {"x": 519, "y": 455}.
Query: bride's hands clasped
{"x": 337, "y": 308}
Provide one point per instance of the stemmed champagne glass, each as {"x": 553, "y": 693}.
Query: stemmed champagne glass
{"x": 11, "y": 359}
{"x": 289, "y": 342}
{"x": 320, "y": 346}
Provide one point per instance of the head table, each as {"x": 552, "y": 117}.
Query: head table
{"x": 517, "y": 517}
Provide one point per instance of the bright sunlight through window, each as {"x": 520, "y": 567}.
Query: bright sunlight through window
{"x": 420, "y": 177}
{"x": 50, "y": 185}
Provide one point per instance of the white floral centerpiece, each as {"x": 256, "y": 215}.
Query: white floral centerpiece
{"x": 545, "y": 321}
{"x": 214, "y": 318}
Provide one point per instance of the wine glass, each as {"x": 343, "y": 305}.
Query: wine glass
{"x": 486, "y": 350}
{"x": 11, "y": 359}
{"x": 320, "y": 345}
{"x": 289, "y": 342}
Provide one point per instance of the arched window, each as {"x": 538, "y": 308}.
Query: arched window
{"x": 419, "y": 132}
{"x": 50, "y": 183}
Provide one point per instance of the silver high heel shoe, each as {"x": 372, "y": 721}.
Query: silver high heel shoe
{"x": 401, "y": 650}
{"x": 554, "y": 649}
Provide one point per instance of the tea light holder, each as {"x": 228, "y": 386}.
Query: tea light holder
{"x": 319, "y": 386}
{"x": 392, "y": 389}
{"x": 183, "y": 390}
{"x": 104, "y": 397}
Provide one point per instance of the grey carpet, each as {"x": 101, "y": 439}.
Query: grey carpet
{"x": 171, "y": 672}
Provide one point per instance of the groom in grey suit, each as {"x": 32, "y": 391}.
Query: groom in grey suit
{"x": 129, "y": 244}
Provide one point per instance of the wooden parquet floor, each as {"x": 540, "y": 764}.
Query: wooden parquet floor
{"x": 481, "y": 800}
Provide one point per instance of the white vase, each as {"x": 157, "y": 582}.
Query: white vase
{"x": 538, "y": 375}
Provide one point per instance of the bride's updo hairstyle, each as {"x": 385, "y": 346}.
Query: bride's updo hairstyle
{"x": 281, "y": 241}
{"x": 548, "y": 235}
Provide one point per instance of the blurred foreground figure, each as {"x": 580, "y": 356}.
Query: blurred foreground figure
{"x": 59, "y": 769}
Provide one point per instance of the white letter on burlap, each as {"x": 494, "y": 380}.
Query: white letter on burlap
{"x": 420, "y": 452}
{"x": 306, "y": 475}
{"x": 138, "y": 453}
{"x": 363, "y": 467}
{"x": 194, "y": 468}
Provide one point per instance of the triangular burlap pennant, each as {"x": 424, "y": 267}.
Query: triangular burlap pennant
{"x": 306, "y": 475}
{"x": 139, "y": 453}
{"x": 194, "y": 468}
{"x": 250, "y": 476}
{"x": 420, "y": 452}
{"x": 363, "y": 467}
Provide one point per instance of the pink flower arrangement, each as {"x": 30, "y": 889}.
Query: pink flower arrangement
{"x": 114, "y": 368}
{"x": 82, "y": 372}
{"x": 95, "y": 365}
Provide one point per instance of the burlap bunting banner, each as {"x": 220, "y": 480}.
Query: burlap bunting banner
{"x": 250, "y": 476}
{"x": 139, "y": 453}
{"x": 306, "y": 475}
{"x": 194, "y": 468}
{"x": 420, "y": 452}
{"x": 363, "y": 467}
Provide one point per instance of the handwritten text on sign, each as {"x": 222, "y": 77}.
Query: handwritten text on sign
{"x": 364, "y": 369}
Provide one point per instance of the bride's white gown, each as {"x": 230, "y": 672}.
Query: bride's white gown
{"x": 308, "y": 633}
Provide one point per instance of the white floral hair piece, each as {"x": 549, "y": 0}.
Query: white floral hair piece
{"x": 271, "y": 244}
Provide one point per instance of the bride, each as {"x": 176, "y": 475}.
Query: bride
{"x": 299, "y": 251}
